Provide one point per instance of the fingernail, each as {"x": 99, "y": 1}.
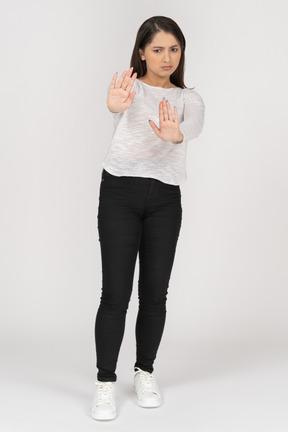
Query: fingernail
{"x": 163, "y": 98}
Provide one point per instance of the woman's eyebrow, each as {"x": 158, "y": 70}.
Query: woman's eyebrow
{"x": 164, "y": 47}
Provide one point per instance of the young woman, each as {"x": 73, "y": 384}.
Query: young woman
{"x": 140, "y": 210}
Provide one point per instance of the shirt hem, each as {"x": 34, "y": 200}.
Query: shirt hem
{"x": 129, "y": 174}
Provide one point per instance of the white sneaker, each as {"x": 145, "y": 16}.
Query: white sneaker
{"x": 104, "y": 401}
{"x": 146, "y": 388}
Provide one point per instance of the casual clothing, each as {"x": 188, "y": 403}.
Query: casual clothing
{"x": 140, "y": 211}
{"x": 134, "y": 214}
{"x": 135, "y": 149}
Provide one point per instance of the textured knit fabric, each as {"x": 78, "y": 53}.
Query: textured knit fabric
{"x": 135, "y": 149}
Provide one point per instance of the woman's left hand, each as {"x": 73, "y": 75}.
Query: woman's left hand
{"x": 169, "y": 127}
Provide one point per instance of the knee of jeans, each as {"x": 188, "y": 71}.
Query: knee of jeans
{"x": 113, "y": 308}
{"x": 153, "y": 307}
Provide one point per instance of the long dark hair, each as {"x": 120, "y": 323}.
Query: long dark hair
{"x": 145, "y": 36}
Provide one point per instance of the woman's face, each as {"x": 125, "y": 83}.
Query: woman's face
{"x": 163, "y": 51}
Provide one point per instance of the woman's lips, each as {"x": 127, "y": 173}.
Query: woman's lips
{"x": 166, "y": 67}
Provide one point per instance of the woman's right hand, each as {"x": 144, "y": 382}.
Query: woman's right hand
{"x": 120, "y": 97}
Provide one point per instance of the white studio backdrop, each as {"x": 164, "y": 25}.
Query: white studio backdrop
{"x": 229, "y": 281}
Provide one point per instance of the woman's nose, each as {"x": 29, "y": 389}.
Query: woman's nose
{"x": 167, "y": 55}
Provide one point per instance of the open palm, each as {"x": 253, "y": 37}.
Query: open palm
{"x": 120, "y": 97}
{"x": 168, "y": 126}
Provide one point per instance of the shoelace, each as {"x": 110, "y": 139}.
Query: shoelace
{"x": 147, "y": 380}
{"x": 104, "y": 392}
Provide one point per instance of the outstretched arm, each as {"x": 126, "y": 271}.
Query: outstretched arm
{"x": 194, "y": 115}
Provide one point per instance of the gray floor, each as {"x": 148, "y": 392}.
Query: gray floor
{"x": 211, "y": 387}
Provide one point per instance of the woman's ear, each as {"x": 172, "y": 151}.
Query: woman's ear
{"x": 141, "y": 54}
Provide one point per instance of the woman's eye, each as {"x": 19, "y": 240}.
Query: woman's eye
{"x": 173, "y": 49}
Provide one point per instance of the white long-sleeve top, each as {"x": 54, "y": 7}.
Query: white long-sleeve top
{"x": 135, "y": 149}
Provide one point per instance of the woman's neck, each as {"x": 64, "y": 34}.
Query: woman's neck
{"x": 155, "y": 82}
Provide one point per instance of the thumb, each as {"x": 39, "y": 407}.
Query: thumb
{"x": 130, "y": 99}
{"x": 154, "y": 127}
{"x": 131, "y": 96}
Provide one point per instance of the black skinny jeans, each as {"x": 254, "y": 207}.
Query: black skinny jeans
{"x": 135, "y": 215}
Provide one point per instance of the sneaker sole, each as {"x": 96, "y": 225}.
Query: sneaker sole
{"x": 103, "y": 418}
